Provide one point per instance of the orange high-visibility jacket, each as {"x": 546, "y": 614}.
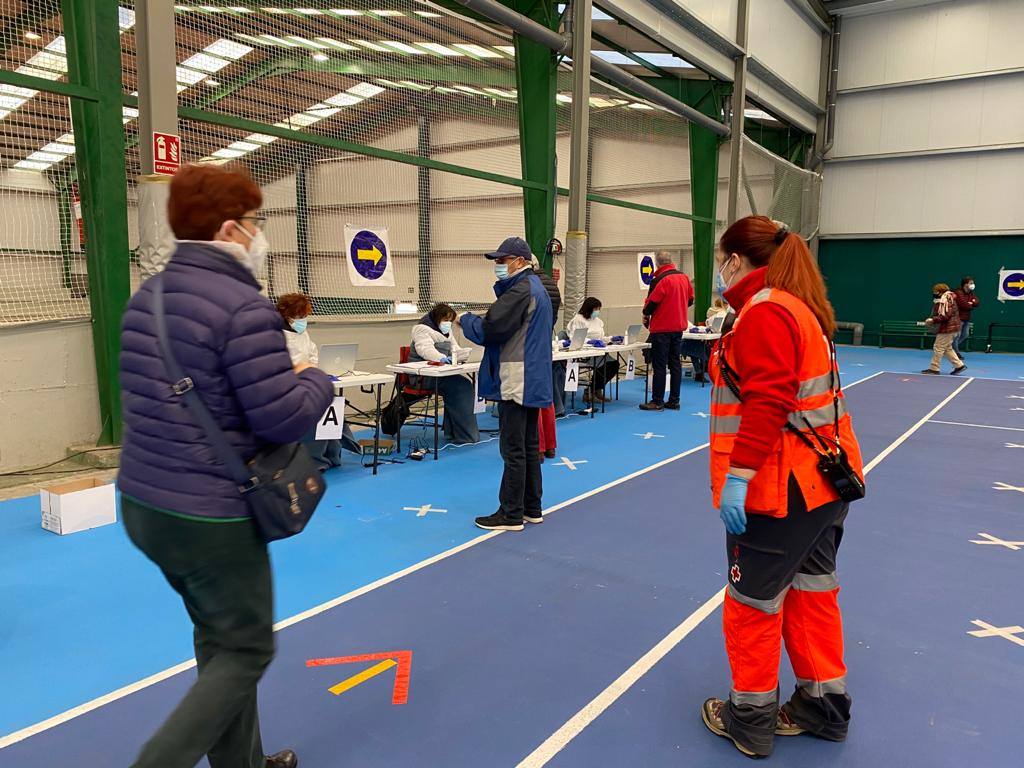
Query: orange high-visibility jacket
{"x": 817, "y": 401}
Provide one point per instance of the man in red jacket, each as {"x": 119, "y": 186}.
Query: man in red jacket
{"x": 668, "y": 297}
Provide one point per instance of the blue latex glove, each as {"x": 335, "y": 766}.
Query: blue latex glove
{"x": 566, "y": 343}
{"x": 599, "y": 343}
{"x": 731, "y": 508}
{"x": 618, "y": 339}
{"x": 446, "y": 360}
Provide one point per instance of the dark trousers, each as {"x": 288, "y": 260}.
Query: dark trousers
{"x": 521, "y": 486}
{"x": 782, "y": 586}
{"x": 666, "y": 349}
{"x": 222, "y": 572}
{"x": 558, "y": 387}
{"x": 606, "y": 371}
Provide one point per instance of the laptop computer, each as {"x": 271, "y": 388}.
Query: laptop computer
{"x": 339, "y": 359}
{"x": 579, "y": 338}
{"x": 633, "y": 334}
{"x": 716, "y": 322}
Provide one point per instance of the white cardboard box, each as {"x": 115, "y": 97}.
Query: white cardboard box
{"x": 78, "y": 506}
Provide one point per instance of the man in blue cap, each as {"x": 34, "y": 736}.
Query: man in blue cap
{"x": 515, "y": 372}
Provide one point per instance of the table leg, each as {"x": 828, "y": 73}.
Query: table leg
{"x": 437, "y": 397}
{"x": 376, "y": 431}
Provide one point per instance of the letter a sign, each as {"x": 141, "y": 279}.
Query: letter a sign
{"x": 572, "y": 377}
{"x": 332, "y": 423}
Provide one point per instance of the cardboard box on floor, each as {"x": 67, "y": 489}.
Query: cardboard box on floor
{"x": 78, "y": 505}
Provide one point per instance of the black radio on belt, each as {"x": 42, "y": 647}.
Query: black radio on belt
{"x": 840, "y": 475}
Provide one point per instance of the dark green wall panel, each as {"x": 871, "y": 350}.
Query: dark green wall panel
{"x": 891, "y": 279}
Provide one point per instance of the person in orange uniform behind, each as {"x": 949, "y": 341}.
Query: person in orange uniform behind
{"x": 785, "y": 464}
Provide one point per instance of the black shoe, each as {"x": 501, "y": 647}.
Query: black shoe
{"x": 652, "y": 406}
{"x": 286, "y": 759}
{"x": 498, "y": 522}
{"x": 536, "y": 518}
{"x": 672, "y": 406}
{"x": 930, "y": 372}
{"x": 711, "y": 714}
{"x": 958, "y": 371}
{"x": 550, "y": 454}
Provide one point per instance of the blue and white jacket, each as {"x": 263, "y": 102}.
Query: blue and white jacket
{"x": 516, "y": 336}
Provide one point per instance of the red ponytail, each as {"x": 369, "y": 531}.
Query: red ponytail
{"x": 791, "y": 267}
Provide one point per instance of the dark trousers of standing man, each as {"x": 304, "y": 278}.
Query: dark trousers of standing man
{"x": 222, "y": 572}
{"x": 666, "y": 349}
{"x": 521, "y": 486}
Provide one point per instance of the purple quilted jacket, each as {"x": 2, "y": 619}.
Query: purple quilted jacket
{"x": 228, "y": 338}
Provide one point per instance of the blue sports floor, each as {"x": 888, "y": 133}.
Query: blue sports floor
{"x": 588, "y": 641}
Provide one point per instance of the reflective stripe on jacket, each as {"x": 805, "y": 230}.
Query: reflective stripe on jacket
{"x": 816, "y": 406}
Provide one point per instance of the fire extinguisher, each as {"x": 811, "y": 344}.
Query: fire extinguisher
{"x": 76, "y": 209}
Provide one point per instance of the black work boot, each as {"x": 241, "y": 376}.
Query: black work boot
{"x": 285, "y": 759}
{"x": 716, "y": 716}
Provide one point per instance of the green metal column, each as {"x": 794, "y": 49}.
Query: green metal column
{"x": 705, "y": 95}
{"x": 94, "y": 60}
{"x": 425, "y": 212}
{"x": 536, "y": 82}
{"x": 302, "y": 218}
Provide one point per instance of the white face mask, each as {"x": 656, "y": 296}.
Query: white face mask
{"x": 596, "y": 314}
{"x": 721, "y": 285}
{"x": 445, "y": 327}
{"x": 970, "y": 287}
{"x": 257, "y": 251}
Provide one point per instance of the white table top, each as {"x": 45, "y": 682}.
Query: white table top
{"x": 363, "y": 380}
{"x": 578, "y": 354}
{"x": 701, "y": 336}
{"x": 434, "y": 371}
{"x": 636, "y": 345}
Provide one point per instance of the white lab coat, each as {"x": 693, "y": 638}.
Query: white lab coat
{"x": 594, "y": 326}
{"x": 301, "y": 348}
{"x": 428, "y": 344}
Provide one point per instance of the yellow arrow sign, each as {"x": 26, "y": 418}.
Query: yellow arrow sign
{"x": 646, "y": 270}
{"x": 373, "y": 255}
{"x": 1017, "y": 284}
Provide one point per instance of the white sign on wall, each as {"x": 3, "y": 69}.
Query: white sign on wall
{"x": 368, "y": 256}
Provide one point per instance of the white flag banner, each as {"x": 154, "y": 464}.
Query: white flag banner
{"x": 1011, "y": 284}
{"x": 368, "y": 256}
{"x": 332, "y": 423}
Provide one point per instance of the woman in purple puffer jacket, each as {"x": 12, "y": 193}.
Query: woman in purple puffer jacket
{"x": 178, "y": 501}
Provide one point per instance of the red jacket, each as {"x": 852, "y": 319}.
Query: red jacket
{"x": 667, "y": 302}
{"x": 967, "y": 303}
{"x": 946, "y": 314}
{"x": 766, "y": 345}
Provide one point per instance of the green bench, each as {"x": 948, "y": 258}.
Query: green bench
{"x": 912, "y": 329}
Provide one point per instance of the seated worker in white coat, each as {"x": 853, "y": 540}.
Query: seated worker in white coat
{"x": 295, "y": 308}
{"x": 589, "y": 317}
{"x": 433, "y": 340}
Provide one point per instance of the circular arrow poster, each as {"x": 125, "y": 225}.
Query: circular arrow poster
{"x": 369, "y": 259}
{"x": 1011, "y": 285}
{"x": 645, "y": 269}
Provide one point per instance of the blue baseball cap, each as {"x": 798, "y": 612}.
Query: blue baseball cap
{"x": 510, "y": 247}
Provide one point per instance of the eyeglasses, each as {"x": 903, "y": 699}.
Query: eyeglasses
{"x": 260, "y": 221}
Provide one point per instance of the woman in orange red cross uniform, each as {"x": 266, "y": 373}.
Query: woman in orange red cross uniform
{"x": 784, "y": 465}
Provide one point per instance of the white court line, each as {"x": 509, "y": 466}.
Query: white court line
{"x": 120, "y": 693}
{"x": 578, "y": 722}
{"x": 979, "y": 426}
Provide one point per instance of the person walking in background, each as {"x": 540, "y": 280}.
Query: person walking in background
{"x": 777, "y": 416}
{"x": 605, "y": 369}
{"x": 180, "y": 505}
{"x": 515, "y": 372}
{"x": 548, "y": 437}
{"x": 945, "y": 322}
{"x": 433, "y": 339}
{"x": 665, "y": 315}
{"x": 967, "y": 301}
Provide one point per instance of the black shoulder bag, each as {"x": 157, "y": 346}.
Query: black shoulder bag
{"x": 281, "y": 484}
{"x": 832, "y": 460}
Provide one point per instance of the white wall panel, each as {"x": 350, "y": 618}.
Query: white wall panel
{"x": 933, "y": 41}
{"x": 947, "y": 193}
{"x": 961, "y": 113}
{"x": 787, "y": 43}
{"x": 720, "y": 15}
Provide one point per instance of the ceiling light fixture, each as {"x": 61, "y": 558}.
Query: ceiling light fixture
{"x": 30, "y": 35}
{"x": 318, "y": 56}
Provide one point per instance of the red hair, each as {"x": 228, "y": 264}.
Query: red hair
{"x": 203, "y": 197}
{"x": 791, "y": 268}
{"x": 292, "y": 306}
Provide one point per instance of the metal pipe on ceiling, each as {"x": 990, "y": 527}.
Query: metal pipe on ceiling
{"x": 559, "y": 44}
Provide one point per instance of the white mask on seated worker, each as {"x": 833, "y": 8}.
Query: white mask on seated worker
{"x": 299, "y": 326}
{"x": 445, "y": 327}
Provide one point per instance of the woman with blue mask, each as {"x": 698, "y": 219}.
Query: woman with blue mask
{"x": 434, "y": 341}
{"x": 606, "y": 369}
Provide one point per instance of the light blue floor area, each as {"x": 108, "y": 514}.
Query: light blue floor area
{"x": 86, "y": 614}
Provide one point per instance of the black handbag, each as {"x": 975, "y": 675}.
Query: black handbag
{"x": 281, "y": 484}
